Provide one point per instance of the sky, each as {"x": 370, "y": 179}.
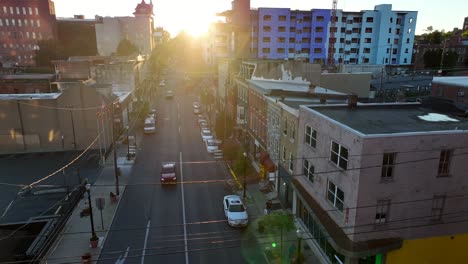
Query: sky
{"x": 195, "y": 15}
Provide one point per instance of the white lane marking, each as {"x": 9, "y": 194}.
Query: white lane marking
{"x": 183, "y": 210}
{"x": 7, "y": 208}
{"x": 146, "y": 242}
{"x": 121, "y": 260}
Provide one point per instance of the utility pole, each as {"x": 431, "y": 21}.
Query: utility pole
{"x": 73, "y": 126}
{"x": 116, "y": 169}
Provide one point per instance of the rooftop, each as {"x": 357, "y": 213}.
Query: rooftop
{"x": 392, "y": 118}
{"x": 461, "y": 81}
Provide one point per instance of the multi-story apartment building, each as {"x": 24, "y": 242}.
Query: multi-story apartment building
{"x": 380, "y": 36}
{"x": 22, "y": 24}
{"x": 384, "y": 183}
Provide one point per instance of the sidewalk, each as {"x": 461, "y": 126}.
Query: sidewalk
{"x": 255, "y": 203}
{"x": 73, "y": 242}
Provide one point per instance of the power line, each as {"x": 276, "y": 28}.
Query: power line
{"x": 309, "y": 237}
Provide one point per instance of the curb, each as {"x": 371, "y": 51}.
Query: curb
{"x": 235, "y": 177}
{"x": 112, "y": 221}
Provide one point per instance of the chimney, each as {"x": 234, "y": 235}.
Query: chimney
{"x": 352, "y": 101}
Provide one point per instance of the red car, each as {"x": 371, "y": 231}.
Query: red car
{"x": 168, "y": 173}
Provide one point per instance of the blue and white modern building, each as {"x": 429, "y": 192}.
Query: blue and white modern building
{"x": 380, "y": 36}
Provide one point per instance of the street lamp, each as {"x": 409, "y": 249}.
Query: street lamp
{"x": 299, "y": 240}
{"x": 245, "y": 180}
{"x": 88, "y": 190}
{"x": 128, "y": 144}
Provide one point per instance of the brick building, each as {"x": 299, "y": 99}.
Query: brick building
{"x": 22, "y": 24}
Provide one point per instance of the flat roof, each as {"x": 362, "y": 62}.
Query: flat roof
{"x": 392, "y": 118}
{"x": 461, "y": 81}
{"x": 268, "y": 85}
{"x": 34, "y": 96}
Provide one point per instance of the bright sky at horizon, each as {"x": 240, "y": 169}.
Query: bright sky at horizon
{"x": 194, "y": 16}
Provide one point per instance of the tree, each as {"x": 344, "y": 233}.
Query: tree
{"x": 274, "y": 222}
{"x": 465, "y": 34}
{"x": 48, "y": 51}
{"x": 432, "y": 59}
{"x": 126, "y": 48}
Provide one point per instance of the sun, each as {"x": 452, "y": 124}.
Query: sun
{"x": 197, "y": 22}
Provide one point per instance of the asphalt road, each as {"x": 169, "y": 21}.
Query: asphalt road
{"x": 183, "y": 223}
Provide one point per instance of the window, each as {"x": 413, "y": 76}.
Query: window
{"x": 356, "y": 30}
{"x": 13, "y": 22}
{"x": 368, "y": 30}
{"x": 266, "y": 18}
{"x": 38, "y": 23}
{"x": 293, "y": 133}
{"x": 284, "y": 153}
{"x": 307, "y": 19}
{"x": 335, "y": 196}
{"x": 369, "y": 19}
{"x": 17, "y": 10}
{"x": 266, "y": 40}
{"x": 291, "y": 162}
{"x": 1, "y": 23}
{"x": 30, "y": 10}
{"x": 339, "y": 155}
{"x": 37, "y": 11}
{"x": 292, "y": 40}
{"x": 366, "y": 50}
{"x": 292, "y": 29}
{"x": 388, "y": 166}
{"x": 391, "y": 20}
{"x": 381, "y": 214}
{"x": 308, "y": 170}
{"x": 444, "y": 162}
{"x": 19, "y": 22}
{"x": 438, "y": 203}
{"x": 291, "y": 50}
{"x": 406, "y": 50}
{"x": 319, "y": 29}
{"x": 280, "y": 50}
{"x": 266, "y": 50}
{"x": 32, "y": 23}
{"x": 318, "y": 40}
{"x": 281, "y": 29}
{"x": 395, "y": 41}
{"x": 397, "y": 31}
{"x": 407, "y": 40}
{"x": 282, "y": 18}
{"x": 305, "y": 40}
{"x": 367, "y": 40}
{"x": 320, "y": 19}
{"x": 11, "y": 10}
{"x": 389, "y": 30}
{"x": 409, "y": 30}
{"x": 281, "y": 39}
{"x": 341, "y": 40}
{"x": 334, "y": 29}
{"x": 24, "y": 11}
{"x": 317, "y": 50}
{"x": 266, "y": 28}
{"x": 343, "y": 30}
{"x": 285, "y": 129}
{"x": 411, "y": 20}
{"x": 7, "y": 22}
{"x": 306, "y": 30}
{"x": 5, "y": 10}
{"x": 405, "y": 60}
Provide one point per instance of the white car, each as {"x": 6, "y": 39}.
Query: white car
{"x": 150, "y": 125}
{"x": 196, "y": 110}
{"x": 211, "y": 145}
{"x": 196, "y": 105}
{"x": 235, "y": 211}
{"x": 206, "y": 134}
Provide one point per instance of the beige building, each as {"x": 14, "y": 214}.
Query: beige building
{"x": 138, "y": 30}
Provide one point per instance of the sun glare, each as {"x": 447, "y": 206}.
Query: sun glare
{"x": 197, "y": 21}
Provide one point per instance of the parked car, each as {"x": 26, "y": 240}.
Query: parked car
{"x": 211, "y": 145}
{"x": 196, "y": 110}
{"x": 168, "y": 173}
{"x": 152, "y": 113}
{"x": 169, "y": 94}
{"x": 196, "y": 105}
{"x": 150, "y": 125}
{"x": 206, "y": 134}
{"x": 235, "y": 211}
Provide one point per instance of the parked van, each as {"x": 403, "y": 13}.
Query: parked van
{"x": 150, "y": 125}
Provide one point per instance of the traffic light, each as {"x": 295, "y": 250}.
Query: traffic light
{"x": 273, "y": 244}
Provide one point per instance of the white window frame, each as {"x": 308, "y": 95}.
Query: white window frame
{"x": 308, "y": 169}
{"x": 382, "y": 211}
{"x": 24, "y": 10}
{"x": 444, "y": 163}
{"x": 30, "y": 10}
{"x": 311, "y": 137}
{"x": 283, "y": 156}
{"x": 291, "y": 162}
{"x": 438, "y": 204}
{"x": 333, "y": 191}
{"x": 388, "y": 166}
{"x": 38, "y": 23}
{"x": 36, "y": 10}
{"x": 339, "y": 154}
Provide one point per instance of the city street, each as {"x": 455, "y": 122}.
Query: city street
{"x": 181, "y": 223}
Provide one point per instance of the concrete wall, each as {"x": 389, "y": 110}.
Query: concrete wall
{"x": 289, "y": 138}
{"x": 45, "y": 121}
{"x": 347, "y": 181}
{"x": 358, "y": 83}
{"x": 416, "y": 182}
